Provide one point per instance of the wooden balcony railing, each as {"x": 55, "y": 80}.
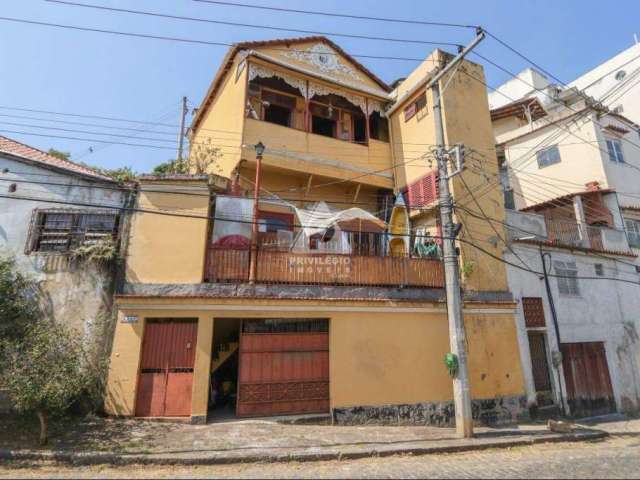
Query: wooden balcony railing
{"x": 278, "y": 267}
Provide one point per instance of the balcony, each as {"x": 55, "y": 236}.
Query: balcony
{"x": 366, "y": 266}
{"x": 586, "y": 236}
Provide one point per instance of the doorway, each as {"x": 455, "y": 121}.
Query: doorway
{"x": 223, "y": 384}
{"x": 166, "y": 368}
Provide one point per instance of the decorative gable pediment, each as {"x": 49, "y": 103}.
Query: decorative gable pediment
{"x": 322, "y": 57}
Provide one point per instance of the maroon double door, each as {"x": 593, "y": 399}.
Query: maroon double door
{"x": 166, "y": 368}
{"x": 589, "y": 390}
{"x": 283, "y": 367}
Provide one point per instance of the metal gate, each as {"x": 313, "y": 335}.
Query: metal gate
{"x": 589, "y": 390}
{"x": 284, "y": 367}
{"x": 166, "y": 368}
{"x": 540, "y": 368}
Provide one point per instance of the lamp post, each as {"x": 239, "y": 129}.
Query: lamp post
{"x": 254, "y": 224}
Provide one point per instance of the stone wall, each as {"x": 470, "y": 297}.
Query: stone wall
{"x": 490, "y": 412}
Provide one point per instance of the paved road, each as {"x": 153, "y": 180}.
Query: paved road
{"x": 615, "y": 457}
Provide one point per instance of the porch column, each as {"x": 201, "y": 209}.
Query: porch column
{"x": 366, "y": 119}
{"x": 201, "y": 370}
{"x": 580, "y": 219}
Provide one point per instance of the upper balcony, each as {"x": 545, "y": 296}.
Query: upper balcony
{"x": 333, "y": 249}
{"x": 316, "y": 128}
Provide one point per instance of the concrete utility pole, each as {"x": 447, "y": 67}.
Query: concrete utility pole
{"x": 461, "y": 389}
{"x": 253, "y": 259}
{"x": 182, "y": 121}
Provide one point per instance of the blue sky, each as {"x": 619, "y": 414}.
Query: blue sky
{"x": 59, "y": 70}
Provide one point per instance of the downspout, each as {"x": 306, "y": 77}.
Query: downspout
{"x": 554, "y": 317}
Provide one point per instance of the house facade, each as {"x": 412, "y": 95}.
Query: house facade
{"x": 578, "y": 328}
{"x": 51, "y": 211}
{"x": 323, "y": 295}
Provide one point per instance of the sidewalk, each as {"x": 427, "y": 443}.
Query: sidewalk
{"x": 130, "y": 441}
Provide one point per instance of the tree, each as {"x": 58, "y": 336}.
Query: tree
{"x": 58, "y": 154}
{"x": 171, "y": 167}
{"x": 204, "y": 158}
{"x": 45, "y": 371}
{"x": 18, "y": 300}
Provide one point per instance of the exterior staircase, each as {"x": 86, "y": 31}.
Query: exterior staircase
{"x": 222, "y": 354}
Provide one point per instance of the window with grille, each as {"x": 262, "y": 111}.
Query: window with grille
{"x": 633, "y": 232}
{"x": 614, "y": 147}
{"x": 415, "y": 107}
{"x": 548, "y": 156}
{"x": 63, "y": 230}
{"x": 599, "y": 269}
{"x": 567, "y": 277}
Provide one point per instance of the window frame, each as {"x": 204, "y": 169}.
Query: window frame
{"x": 75, "y": 232}
{"x": 632, "y": 232}
{"x": 568, "y": 285}
{"x": 614, "y": 149}
{"x": 544, "y": 160}
{"x": 416, "y": 106}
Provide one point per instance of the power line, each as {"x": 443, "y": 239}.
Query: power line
{"x": 248, "y": 25}
{"x": 179, "y": 39}
{"x": 340, "y": 15}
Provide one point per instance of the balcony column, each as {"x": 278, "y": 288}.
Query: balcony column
{"x": 581, "y": 220}
{"x": 253, "y": 260}
{"x": 366, "y": 120}
{"x": 307, "y": 116}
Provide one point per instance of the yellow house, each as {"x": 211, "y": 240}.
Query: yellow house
{"x": 310, "y": 309}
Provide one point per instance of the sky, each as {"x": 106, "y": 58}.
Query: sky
{"x": 88, "y": 73}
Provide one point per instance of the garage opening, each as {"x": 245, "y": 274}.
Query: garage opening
{"x": 283, "y": 367}
{"x": 166, "y": 367}
{"x": 223, "y": 384}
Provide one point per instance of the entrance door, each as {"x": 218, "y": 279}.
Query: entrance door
{"x": 589, "y": 390}
{"x": 166, "y": 368}
{"x": 283, "y": 367}
{"x": 540, "y": 369}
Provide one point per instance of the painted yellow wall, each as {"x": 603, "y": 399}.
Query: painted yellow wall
{"x": 168, "y": 248}
{"x": 304, "y": 152}
{"x": 466, "y": 120}
{"x": 376, "y": 357}
{"x": 122, "y": 380}
{"x": 223, "y": 121}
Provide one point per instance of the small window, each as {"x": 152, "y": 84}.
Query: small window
{"x": 599, "y": 269}
{"x": 548, "y": 156}
{"x": 62, "y": 231}
{"x": 416, "y": 106}
{"x": 567, "y": 277}
{"x": 633, "y": 232}
{"x": 620, "y": 74}
{"x": 614, "y": 147}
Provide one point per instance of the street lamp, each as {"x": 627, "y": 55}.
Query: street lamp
{"x": 254, "y": 224}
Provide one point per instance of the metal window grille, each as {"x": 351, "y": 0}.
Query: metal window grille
{"x": 567, "y": 282}
{"x": 548, "y": 156}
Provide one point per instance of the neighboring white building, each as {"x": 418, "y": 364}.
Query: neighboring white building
{"x": 616, "y": 83}
{"x": 46, "y": 212}
{"x": 598, "y": 319}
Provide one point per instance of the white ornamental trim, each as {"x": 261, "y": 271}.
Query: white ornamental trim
{"x": 317, "y": 89}
{"x": 325, "y": 59}
{"x": 265, "y": 72}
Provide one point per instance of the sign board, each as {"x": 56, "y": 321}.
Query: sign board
{"x": 130, "y": 319}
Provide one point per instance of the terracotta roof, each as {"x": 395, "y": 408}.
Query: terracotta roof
{"x": 34, "y": 155}
{"x": 563, "y": 246}
{"x": 562, "y": 198}
{"x": 518, "y": 109}
{"x": 174, "y": 176}
{"x": 227, "y": 62}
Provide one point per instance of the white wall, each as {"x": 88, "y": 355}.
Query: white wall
{"x": 627, "y": 94}
{"x": 76, "y": 294}
{"x": 605, "y": 310}
{"x": 523, "y": 85}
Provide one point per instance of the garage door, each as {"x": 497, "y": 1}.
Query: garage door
{"x": 284, "y": 367}
{"x": 586, "y": 373}
{"x": 166, "y": 368}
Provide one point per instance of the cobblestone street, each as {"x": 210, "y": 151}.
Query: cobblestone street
{"x": 616, "y": 457}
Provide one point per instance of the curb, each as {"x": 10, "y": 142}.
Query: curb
{"x": 97, "y": 458}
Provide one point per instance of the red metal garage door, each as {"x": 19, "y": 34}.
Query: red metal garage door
{"x": 284, "y": 367}
{"x": 586, "y": 373}
{"x": 166, "y": 368}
